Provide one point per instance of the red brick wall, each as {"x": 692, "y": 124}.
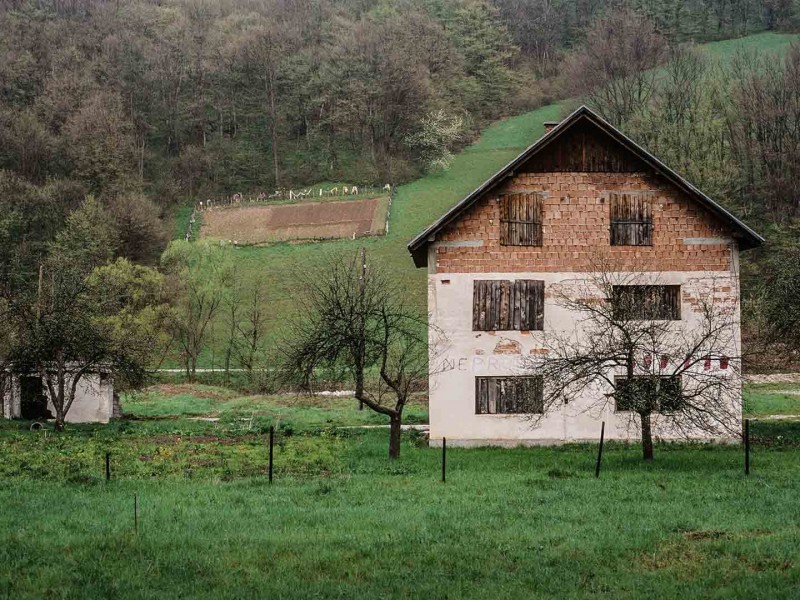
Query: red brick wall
{"x": 576, "y": 229}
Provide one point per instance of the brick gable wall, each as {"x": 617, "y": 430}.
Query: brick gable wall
{"x": 576, "y": 229}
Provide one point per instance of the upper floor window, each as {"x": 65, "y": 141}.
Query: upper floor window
{"x": 647, "y": 302}
{"x": 502, "y": 305}
{"x": 521, "y": 219}
{"x": 509, "y": 395}
{"x": 631, "y": 219}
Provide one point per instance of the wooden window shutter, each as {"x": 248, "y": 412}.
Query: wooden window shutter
{"x": 530, "y": 300}
{"x": 647, "y": 302}
{"x": 502, "y": 305}
{"x": 509, "y": 395}
{"x": 521, "y": 219}
{"x": 631, "y": 219}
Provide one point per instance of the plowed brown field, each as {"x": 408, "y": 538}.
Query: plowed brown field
{"x": 304, "y": 221}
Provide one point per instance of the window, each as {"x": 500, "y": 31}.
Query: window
{"x": 631, "y": 219}
{"x": 660, "y": 394}
{"x": 509, "y": 395}
{"x": 502, "y": 305}
{"x": 647, "y": 302}
{"x": 521, "y": 219}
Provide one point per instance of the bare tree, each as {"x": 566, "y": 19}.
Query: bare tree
{"x": 246, "y": 322}
{"x": 764, "y": 129}
{"x": 200, "y": 276}
{"x": 252, "y": 328}
{"x": 631, "y": 352}
{"x": 614, "y": 67}
{"x": 232, "y": 302}
{"x": 353, "y": 323}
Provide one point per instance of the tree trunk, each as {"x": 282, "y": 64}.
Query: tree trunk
{"x": 360, "y": 387}
{"x": 58, "y": 405}
{"x": 273, "y": 114}
{"x": 228, "y": 366}
{"x": 647, "y": 438}
{"x": 395, "y": 421}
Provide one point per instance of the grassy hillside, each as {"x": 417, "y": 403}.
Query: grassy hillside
{"x": 764, "y": 42}
{"x": 420, "y": 202}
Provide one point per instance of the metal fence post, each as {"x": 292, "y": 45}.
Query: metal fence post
{"x": 600, "y": 450}
{"x": 747, "y": 446}
{"x": 444, "y": 460}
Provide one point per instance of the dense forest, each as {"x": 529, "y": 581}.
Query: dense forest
{"x": 176, "y": 98}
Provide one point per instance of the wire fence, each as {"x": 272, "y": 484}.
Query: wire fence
{"x": 282, "y": 196}
{"x": 342, "y": 192}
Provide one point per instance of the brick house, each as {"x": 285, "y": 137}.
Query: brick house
{"x": 581, "y": 190}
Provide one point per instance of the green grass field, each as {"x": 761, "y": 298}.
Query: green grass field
{"x": 341, "y": 521}
{"x": 776, "y": 399}
{"x": 419, "y": 203}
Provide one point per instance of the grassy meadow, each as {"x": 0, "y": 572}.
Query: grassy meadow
{"x": 419, "y": 203}
{"x": 341, "y": 521}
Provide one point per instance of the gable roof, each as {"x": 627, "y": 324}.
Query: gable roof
{"x": 747, "y": 237}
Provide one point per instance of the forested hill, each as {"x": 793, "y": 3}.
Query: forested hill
{"x": 177, "y": 98}
{"x": 419, "y": 202}
{"x": 149, "y": 105}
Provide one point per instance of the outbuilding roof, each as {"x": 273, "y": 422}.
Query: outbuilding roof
{"x": 746, "y": 236}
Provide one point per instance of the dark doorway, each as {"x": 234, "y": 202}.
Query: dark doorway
{"x": 33, "y": 402}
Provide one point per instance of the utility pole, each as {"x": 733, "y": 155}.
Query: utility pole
{"x": 39, "y": 294}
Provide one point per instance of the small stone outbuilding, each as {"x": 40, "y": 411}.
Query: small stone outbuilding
{"x": 26, "y": 397}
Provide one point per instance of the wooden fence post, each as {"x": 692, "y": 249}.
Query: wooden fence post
{"x": 108, "y": 467}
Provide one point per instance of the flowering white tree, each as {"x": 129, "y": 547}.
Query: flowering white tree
{"x": 437, "y": 133}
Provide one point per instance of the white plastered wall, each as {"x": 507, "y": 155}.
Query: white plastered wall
{"x": 460, "y": 354}
{"x": 94, "y": 400}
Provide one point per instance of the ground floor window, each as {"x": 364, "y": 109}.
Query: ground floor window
{"x": 509, "y": 395}
{"x": 646, "y": 393}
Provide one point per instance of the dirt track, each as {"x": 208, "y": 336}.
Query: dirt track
{"x": 304, "y": 221}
